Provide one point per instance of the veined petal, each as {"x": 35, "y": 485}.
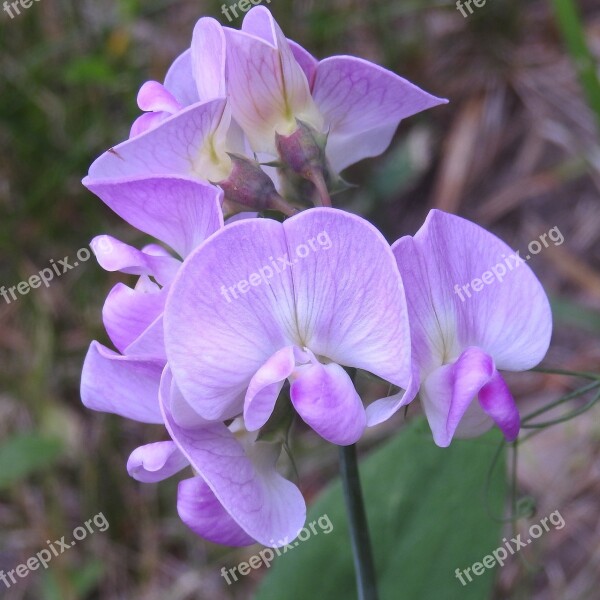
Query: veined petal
{"x": 265, "y": 505}
{"x": 128, "y": 312}
{"x": 448, "y": 392}
{"x": 282, "y": 285}
{"x": 121, "y": 385}
{"x": 229, "y": 310}
{"x": 349, "y": 297}
{"x": 180, "y": 212}
{"x": 185, "y": 144}
{"x": 363, "y": 104}
{"x": 200, "y": 510}
{"x": 509, "y": 317}
{"x": 208, "y": 59}
{"x": 265, "y": 386}
{"x": 267, "y": 86}
{"x": 156, "y": 462}
{"x": 114, "y": 255}
{"x": 325, "y": 398}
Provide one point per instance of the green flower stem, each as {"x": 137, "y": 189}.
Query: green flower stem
{"x": 364, "y": 566}
{"x": 584, "y": 374}
{"x": 579, "y": 392}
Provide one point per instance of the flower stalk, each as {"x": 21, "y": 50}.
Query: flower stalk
{"x": 364, "y": 565}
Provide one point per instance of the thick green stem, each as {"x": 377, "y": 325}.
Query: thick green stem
{"x": 364, "y": 566}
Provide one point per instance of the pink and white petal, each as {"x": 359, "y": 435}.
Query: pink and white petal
{"x": 265, "y": 386}
{"x": 180, "y": 80}
{"x": 325, "y": 398}
{"x": 265, "y": 505}
{"x": 267, "y": 87}
{"x": 447, "y": 393}
{"x": 349, "y": 296}
{"x": 509, "y": 318}
{"x": 363, "y": 104}
{"x": 260, "y": 22}
{"x": 200, "y": 510}
{"x": 156, "y": 462}
{"x": 128, "y": 312}
{"x": 173, "y": 148}
{"x": 180, "y": 212}
{"x": 113, "y": 255}
{"x": 146, "y": 122}
{"x": 154, "y": 97}
{"x": 497, "y": 402}
{"x": 208, "y": 59}
{"x": 217, "y": 337}
{"x": 121, "y": 385}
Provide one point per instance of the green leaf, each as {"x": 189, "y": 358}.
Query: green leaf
{"x": 427, "y": 513}
{"x": 24, "y": 454}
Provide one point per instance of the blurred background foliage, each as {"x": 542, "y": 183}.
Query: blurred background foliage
{"x": 517, "y": 150}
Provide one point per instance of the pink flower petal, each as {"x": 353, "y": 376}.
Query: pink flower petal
{"x": 265, "y": 386}
{"x": 448, "y": 392}
{"x": 180, "y": 80}
{"x": 173, "y": 148}
{"x": 180, "y": 212}
{"x": 121, "y": 385}
{"x": 200, "y": 510}
{"x": 208, "y": 59}
{"x": 363, "y": 104}
{"x": 265, "y": 505}
{"x": 325, "y": 398}
{"x": 155, "y": 462}
{"x": 127, "y": 312}
{"x": 114, "y": 255}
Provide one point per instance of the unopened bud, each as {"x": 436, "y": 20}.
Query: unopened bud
{"x": 303, "y": 159}
{"x": 249, "y": 187}
{"x": 303, "y": 151}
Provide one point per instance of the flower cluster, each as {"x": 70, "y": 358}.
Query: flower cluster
{"x": 250, "y": 121}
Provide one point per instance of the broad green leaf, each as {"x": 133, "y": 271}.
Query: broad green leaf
{"x": 25, "y": 454}
{"x": 427, "y": 513}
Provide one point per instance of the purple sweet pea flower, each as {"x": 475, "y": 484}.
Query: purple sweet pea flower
{"x": 262, "y": 302}
{"x": 189, "y": 131}
{"x": 237, "y": 496}
{"x": 259, "y": 80}
{"x": 461, "y": 338}
{"x": 197, "y": 75}
{"x": 273, "y": 81}
{"x": 182, "y": 214}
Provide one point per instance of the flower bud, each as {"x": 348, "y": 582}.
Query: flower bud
{"x": 249, "y": 187}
